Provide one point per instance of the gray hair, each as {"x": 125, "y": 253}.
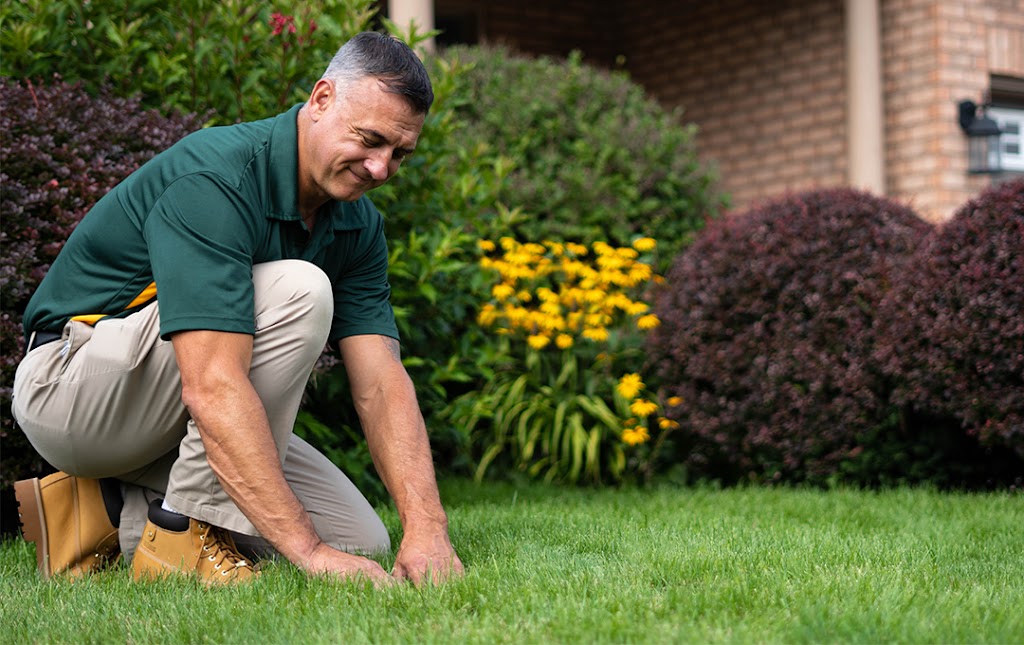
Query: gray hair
{"x": 387, "y": 59}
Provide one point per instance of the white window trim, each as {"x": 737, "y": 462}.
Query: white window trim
{"x": 1003, "y": 116}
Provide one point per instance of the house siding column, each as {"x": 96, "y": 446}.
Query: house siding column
{"x": 865, "y": 134}
{"x": 421, "y": 12}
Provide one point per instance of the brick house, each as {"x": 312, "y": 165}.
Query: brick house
{"x": 793, "y": 94}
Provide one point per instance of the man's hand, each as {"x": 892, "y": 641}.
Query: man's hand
{"x": 326, "y": 560}
{"x": 431, "y": 558}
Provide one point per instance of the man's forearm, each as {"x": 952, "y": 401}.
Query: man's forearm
{"x": 242, "y": 453}
{"x": 397, "y": 438}
{"x": 236, "y": 435}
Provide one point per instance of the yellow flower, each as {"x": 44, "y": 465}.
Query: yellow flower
{"x": 538, "y": 341}
{"x": 524, "y": 296}
{"x": 564, "y": 341}
{"x": 557, "y": 248}
{"x": 485, "y": 245}
{"x": 635, "y": 436}
{"x": 643, "y": 408}
{"x": 637, "y": 308}
{"x": 641, "y": 272}
{"x": 488, "y": 314}
{"x": 516, "y": 315}
{"x": 547, "y": 295}
{"x": 675, "y": 400}
{"x": 667, "y": 424}
{"x": 502, "y": 291}
{"x": 645, "y": 244}
{"x": 596, "y": 334}
{"x": 576, "y": 249}
{"x": 630, "y": 385}
{"x": 507, "y": 243}
{"x": 551, "y": 308}
{"x": 650, "y": 321}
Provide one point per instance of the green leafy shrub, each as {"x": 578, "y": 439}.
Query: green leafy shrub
{"x": 61, "y": 151}
{"x": 767, "y": 335}
{"x": 953, "y": 329}
{"x": 243, "y": 60}
{"x": 595, "y": 158}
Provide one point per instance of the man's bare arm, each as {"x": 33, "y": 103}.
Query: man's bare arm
{"x": 397, "y": 436}
{"x": 241, "y": 451}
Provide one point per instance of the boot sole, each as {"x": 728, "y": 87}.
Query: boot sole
{"x": 33, "y": 520}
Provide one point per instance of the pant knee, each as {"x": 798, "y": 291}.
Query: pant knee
{"x": 296, "y": 295}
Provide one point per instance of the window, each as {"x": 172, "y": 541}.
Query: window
{"x": 1011, "y": 122}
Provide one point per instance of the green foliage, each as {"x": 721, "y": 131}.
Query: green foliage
{"x": 243, "y": 60}
{"x": 549, "y": 420}
{"x": 596, "y": 159}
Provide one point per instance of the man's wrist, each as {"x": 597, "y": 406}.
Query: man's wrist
{"x": 425, "y": 524}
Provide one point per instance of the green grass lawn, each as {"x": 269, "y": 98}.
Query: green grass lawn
{"x": 579, "y": 566}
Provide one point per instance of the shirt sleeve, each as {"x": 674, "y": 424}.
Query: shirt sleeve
{"x": 200, "y": 236}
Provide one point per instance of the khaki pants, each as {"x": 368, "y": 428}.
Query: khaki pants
{"x": 105, "y": 401}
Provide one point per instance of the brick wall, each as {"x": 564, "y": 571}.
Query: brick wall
{"x": 765, "y": 81}
{"x": 935, "y": 54}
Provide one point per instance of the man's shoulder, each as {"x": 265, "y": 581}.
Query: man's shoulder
{"x": 234, "y": 157}
{"x": 224, "y": 149}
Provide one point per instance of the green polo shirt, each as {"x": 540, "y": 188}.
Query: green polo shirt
{"x": 188, "y": 226}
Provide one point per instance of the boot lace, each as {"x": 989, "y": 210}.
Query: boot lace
{"x": 219, "y": 548}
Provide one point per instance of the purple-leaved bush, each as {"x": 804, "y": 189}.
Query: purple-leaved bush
{"x": 952, "y": 330}
{"x": 766, "y": 335}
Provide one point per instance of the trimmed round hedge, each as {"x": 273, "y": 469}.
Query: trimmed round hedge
{"x": 952, "y": 331}
{"x": 767, "y": 336}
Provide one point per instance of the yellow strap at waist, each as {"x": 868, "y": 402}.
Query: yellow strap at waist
{"x": 147, "y": 294}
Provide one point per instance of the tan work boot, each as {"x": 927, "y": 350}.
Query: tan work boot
{"x": 176, "y": 544}
{"x": 66, "y": 518}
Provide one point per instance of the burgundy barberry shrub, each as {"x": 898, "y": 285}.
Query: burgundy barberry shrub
{"x": 61, "y": 151}
{"x": 952, "y": 330}
{"x": 766, "y": 334}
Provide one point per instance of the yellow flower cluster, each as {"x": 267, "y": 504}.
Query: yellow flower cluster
{"x": 555, "y": 293}
{"x": 634, "y": 430}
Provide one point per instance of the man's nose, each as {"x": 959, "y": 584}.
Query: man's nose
{"x": 377, "y": 166}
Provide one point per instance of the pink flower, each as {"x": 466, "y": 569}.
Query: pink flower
{"x": 279, "y": 22}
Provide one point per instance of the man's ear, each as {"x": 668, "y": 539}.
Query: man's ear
{"x": 322, "y": 98}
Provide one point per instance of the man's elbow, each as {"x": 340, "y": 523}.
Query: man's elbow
{"x": 202, "y": 392}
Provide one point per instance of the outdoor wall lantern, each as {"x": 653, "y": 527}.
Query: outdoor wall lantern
{"x": 982, "y": 139}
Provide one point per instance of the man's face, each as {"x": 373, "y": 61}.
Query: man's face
{"x": 357, "y": 140}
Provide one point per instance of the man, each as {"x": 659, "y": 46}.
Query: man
{"x": 171, "y": 341}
